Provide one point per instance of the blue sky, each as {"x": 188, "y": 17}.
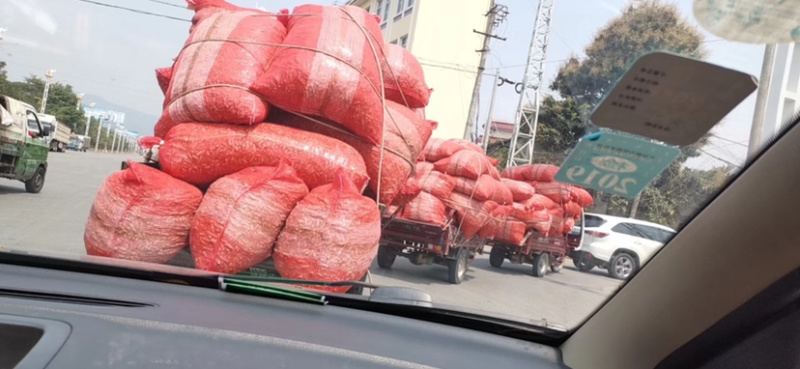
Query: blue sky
{"x": 112, "y": 53}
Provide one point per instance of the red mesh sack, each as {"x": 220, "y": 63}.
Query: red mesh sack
{"x": 493, "y": 226}
{"x": 532, "y": 172}
{"x": 206, "y": 8}
{"x": 403, "y": 78}
{"x": 464, "y": 163}
{"x": 391, "y": 210}
{"x": 557, "y": 220}
{"x": 581, "y": 196}
{"x": 423, "y": 167}
{"x": 437, "y": 184}
{"x": 469, "y": 145}
{"x": 241, "y": 215}
{"x": 212, "y": 80}
{"x": 524, "y": 213}
{"x": 163, "y": 76}
{"x": 568, "y": 224}
{"x": 328, "y": 67}
{"x": 540, "y": 202}
{"x": 481, "y": 189}
{"x": 472, "y": 215}
{"x": 437, "y": 149}
{"x": 141, "y": 214}
{"x": 201, "y": 153}
{"x": 484, "y": 188}
{"x": 520, "y": 191}
{"x": 540, "y": 220}
{"x": 572, "y": 210}
{"x": 511, "y": 231}
{"x": 556, "y": 191}
{"x": 331, "y": 235}
{"x": 426, "y": 208}
{"x": 404, "y": 140}
{"x": 408, "y": 192}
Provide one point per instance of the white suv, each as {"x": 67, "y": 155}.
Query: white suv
{"x": 619, "y": 245}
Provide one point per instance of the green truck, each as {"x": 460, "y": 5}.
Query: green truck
{"x": 23, "y": 149}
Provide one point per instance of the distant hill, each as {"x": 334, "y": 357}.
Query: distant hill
{"x": 135, "y": 120}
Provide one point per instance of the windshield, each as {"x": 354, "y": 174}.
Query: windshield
{"x": 261, "y": 136}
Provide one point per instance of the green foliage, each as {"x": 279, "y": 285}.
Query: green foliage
{"x": 61, "y": 98}
{"x": 641, "y": 29}
{"x": 581, "y": 84}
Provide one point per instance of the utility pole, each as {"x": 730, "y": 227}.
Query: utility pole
{"x": 762, "y": 96}
{"x": 115, "y": 138}
{"x": 496, "y": 15}
{"x": 99, "y": 132}
{"x": 487, "y": 128}
{"x": 48, "y": 78}
{"x": 88, "y": 121}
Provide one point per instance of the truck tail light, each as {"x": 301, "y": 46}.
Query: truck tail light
{"x": 596, "y": 234}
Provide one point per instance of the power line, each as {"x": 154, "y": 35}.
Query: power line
{"x": 740, "y": 143}
{"x": 135, "y": 10}
{"x": 720, "y": 159}
{"x": 169, "y": 4}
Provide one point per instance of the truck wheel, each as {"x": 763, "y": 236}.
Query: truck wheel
{"x": 583, "y": 263}
{"x": 35, "y": 184}
{"x": 497, "y": 256}
{"x": 457, "y": 269}
{"x": 622, "y": 266}
{"x": 385, "y": 257}
{"x": 540, "y": 264}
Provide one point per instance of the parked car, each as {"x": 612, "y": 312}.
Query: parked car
{"x": 619, "y": 245}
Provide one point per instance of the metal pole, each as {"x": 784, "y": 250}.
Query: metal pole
{"x": 487, "y": 129}
{"x": 762, "y": 96}
{"x": 99, "y": 132}
{"x": 115, "y": 139}
{"x": 88, "y": 123}
{"x": 44, "y": 97}
{"x": 472, "y": 116}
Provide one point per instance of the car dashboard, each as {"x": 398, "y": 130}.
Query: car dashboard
{"x": 65, "y": 319}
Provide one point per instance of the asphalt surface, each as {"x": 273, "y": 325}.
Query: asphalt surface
{"x": 54, "y": 220}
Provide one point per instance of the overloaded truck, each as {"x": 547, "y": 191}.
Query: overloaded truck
{"x": 23, "y": 147}
{"x": 79, "y": 143}
{"x": 59, "y": 136}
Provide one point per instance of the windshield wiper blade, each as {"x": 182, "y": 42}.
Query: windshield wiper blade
{"x": 306, "y": 282}
{"x": 243, "y": 286}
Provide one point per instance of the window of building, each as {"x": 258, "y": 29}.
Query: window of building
{"x": 404, "y": 8}
{"x": 379, "y": 9}
{"x": 409, "y": 7}
{"x": 403, "y": 41}
{"x": 386, "y": 8}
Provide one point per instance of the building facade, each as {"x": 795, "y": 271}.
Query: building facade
{"x": 440, "y": 34}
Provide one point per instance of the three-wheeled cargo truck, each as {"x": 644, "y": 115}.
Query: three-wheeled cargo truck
{"x": 542, "y": 251}
{"x": 23, "y": 150}
{"x": 425, "y": 244}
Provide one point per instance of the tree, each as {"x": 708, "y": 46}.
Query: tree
{"x": 582, "y": 82}
{"x": 62, "y": 102}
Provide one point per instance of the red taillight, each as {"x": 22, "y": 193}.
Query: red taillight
{"x": 596, "y": 234}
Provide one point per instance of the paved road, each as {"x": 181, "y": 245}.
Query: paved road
{"x": 54, "y": 220}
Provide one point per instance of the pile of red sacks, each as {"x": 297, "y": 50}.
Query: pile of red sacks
{"x": 457, "y": 182}
{"x": 274, "y": 126}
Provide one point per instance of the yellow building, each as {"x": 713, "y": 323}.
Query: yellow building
{"x": 440, "y": 34}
